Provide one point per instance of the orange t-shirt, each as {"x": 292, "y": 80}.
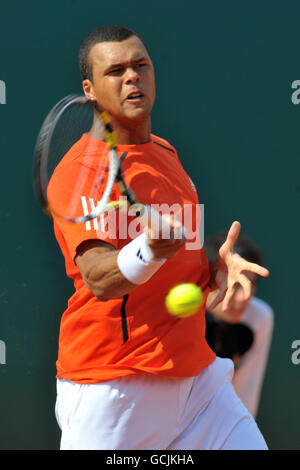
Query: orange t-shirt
{"x": 101, "y": 341}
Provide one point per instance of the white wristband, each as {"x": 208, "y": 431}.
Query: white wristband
{"x": 135, "y": 261}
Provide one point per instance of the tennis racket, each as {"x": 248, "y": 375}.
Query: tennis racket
{"x": 64, "y": 126}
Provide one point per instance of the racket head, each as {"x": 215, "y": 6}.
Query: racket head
{"x": 65, "y": 125}
{"x": 85, "y": 181}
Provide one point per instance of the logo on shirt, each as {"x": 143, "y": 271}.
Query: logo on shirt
{"x": 140, "y": 256}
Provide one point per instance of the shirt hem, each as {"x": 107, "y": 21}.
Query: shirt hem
{"x": 107, "y": 374}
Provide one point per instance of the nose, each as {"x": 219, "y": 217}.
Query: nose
{"x": 131, "y": 76}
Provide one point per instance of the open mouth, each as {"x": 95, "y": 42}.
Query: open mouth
{"x": 135, "y": 96}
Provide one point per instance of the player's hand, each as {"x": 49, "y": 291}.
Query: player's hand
{"x": 231, "y": 271}
{"x": 165, "y": 242}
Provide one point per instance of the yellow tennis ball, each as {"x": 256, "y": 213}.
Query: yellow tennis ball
{"x": 184, "y": 300}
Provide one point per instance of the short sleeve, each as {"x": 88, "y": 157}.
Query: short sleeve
{"x": 74, "y": 191}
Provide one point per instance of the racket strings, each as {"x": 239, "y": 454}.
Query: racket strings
{"x": 71, "y": 123}
{"x": 68, "y": 169}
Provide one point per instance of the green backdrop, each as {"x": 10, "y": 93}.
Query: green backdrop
{"x": 224, "y": 72}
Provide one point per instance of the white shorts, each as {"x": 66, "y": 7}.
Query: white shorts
{"x": 149, "y": 412}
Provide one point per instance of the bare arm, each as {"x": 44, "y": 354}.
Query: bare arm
{"x": 97, "y": 262}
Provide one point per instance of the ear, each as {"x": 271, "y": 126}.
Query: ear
{"x": 88, "y": 89}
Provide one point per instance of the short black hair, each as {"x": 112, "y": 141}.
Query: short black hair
{"x": 244, "y": 246}
{"x": 106, "y": 33}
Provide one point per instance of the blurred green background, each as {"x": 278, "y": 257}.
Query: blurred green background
{"x": 224, "y": 72}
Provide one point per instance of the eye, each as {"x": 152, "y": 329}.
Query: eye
{"x": 116, "y": 71}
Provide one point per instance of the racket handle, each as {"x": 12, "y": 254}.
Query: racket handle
{"x": 162, "y": 226}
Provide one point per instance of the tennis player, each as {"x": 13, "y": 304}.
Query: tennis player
{"x": 130, "y": 375}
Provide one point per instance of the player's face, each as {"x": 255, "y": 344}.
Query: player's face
{"x": 237, "y": 304}
{"x": 123, "y": 80}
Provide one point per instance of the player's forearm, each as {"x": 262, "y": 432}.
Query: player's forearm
{"x": 111, "y": 274}
{"x": 104, "y": 278}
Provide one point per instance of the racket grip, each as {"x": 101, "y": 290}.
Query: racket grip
{"x": 160, "y": 225}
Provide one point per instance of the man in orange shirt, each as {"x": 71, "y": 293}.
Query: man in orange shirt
{"x": 131, "y": 376}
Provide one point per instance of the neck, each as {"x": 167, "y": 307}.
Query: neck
{"x": 127, "y": 134}
{"x": 133, "y": 133}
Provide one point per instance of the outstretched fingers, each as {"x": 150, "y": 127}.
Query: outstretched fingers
{"x": 256, "y": 268}
{"x": 232, "y": 236}
{"x": 219, "y": 297}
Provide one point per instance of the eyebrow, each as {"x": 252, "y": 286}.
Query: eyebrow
{"x": 136, "y": 61}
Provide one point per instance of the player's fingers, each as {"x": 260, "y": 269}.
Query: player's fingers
{"x": 173, "y": 227}
{"x": 166, "y": 251}
{"x": 164, "y": 247}
{"x": 165, "y": 242}
{"x": 226, "y": 301}
{"x": 246, "y": 285}
{"x": 164, "y": 226}
{"x": 256, "y": 268}
{"x": 169, "y": 218}
{"x": 228, "y": 294}
{"x": 219, "y": 297}
{"x": 231, "y": 238}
